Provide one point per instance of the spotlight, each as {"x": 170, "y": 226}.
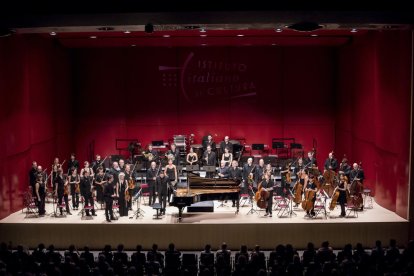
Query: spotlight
{"x": 149, "y": 28}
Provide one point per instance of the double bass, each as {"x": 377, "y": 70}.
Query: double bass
{"x": 356, "y": 189}
{"x": 261, "y": 197}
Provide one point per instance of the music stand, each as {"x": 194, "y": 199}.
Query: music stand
{"x": 210, "y": 171}
{"x": 291, "y": 212}
{"x": 138, "y": 213}
{"x": 252, "y": 209}
{"x": 258, "y": 147}
{"x": 190, "y": 168}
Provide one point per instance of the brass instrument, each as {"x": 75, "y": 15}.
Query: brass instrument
{"x": 148, "y": 155}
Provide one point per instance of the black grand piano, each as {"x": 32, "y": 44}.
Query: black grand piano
{"x": 205, "y": 189}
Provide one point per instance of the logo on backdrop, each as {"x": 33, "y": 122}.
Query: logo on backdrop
{"x": 203, "y": 78}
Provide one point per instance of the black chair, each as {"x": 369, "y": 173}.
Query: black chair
{"x": 172, "y": 263}
{"x": 207, "y": 262}
{"x": 189, "y": 263}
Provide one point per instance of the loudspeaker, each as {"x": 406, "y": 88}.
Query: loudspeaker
{"x": 149, "y": 28}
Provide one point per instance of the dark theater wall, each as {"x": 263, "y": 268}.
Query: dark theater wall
{"x": 373, "y": 113}
{"x": 155, "y": 93}
{"x": 34, "y": 112}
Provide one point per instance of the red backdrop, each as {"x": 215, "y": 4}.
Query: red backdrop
{"x": 354, "y": 99}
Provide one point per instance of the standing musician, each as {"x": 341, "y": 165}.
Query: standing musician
{"x": 357, "y": 174}
{"x": 151, "y": 177}
{"x": 209, "y": 142}
{"x": 310, "y": 161}
{"x": 342, "y": 188}
{"x": 331, "y": 163}
{"x": 248, "y": 169}
{"x": 285, "y": 177}
{"x": 345, "y": 167}
{"x": 174, "y": 154}
{"x": 61, "y": 190}
{"x": 115, "y": 170}
{"x": 209, "y": 158}
{"x": 121, "y": 163}
{"x": 357, "y": 183}
{"x": 192, "y": 157}
{"x": 86, "y": 191}
{"x": 298, "y": 166}
{"x": 98, "y": 185}
{"x": 130, "y": 178}
{"x": 311, "y": 187}
{"x": 269, "y": 169}
{"x": 259, "y": 171}
{"x": 227, "y": 156}
{"x": 235, "y": 174}
{"x": 55, "y": 167}
{"x": 98, "y": 163}
{"x": 267, "y": 184}
{"x": 40, "y": 192}
{"x": 150, "y": 155}
{"x": 122, "y": 193}
{"x": 33, "y": 177}
{"x": 109, "y": 194}
{"x": 74, "y": 182}
{"x": 171, "y": 171}
{"x": 86, "y": 168}
{"x": 226, "y": 144}
{"x": 161, "y": 188}
{"x": 73, "y": 163}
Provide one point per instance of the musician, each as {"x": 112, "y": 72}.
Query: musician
{"x": 62, "y": 190}
{"x": 259, "y": 171}
{"x": 248, "y": 170}
{"x": 356, "y": 174}
{"x": 311, "y": 161}
{"x": 192, "y": 157}
{"x": 267, "y": 185}
{"x": 87, "y": 168}
{"x": 150, "y": 155}
{"x": 174, "y": 154}
{"x": 209, "y": 158}
{"x": 55, "y": 166}
{"x": 331, "y": 163}
{"x": 285, "y": 174}
{"x": 73, "y": 163}
{"x": 209, "y": 142}
{"x": 121, "y": 163}
{"x": 109, "y": 194}
{"x": 86, "y": 191}
{"x": 122, "y": 193}
{"x": 311, "y": 187}
{"x": 151, "y": 177}
{"x": 269, "y": 169}
{"x": 345, "y": 167}
{"x": 226, "y": 144}
{"x": 227, "y": 156}
{"x": 33, "y": 177}
{"x": 98, "y": 163}
{"x": 342, "y": 188}
{"x": 74, "y": 181}
{"x": 235, "y": 174}
{"x": 130, "y": 178}
{"x": 298, "y": 166}
{"x": 98, "y": 185}
{"x": 115, "y": 170}
{"x": 171, "y": 172}
{"x": 161, "y": 188}
{"x": 40, "y": 193}
{"x": 223, "y": 170}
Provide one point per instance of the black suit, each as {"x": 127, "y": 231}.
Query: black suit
{"x": 161, "y": 187}
{"x": 268, "y": 184}
{"x": 108, "y": 191}
{"x": 331, "y": 163}
{"x": 85, "y": 189}
{"x": 223, "y": 145}
{"x": 209, "y": 159}
{"x": 151, "y": 173}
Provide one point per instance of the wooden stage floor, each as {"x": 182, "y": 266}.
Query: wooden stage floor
{"x": 198, "y": 229}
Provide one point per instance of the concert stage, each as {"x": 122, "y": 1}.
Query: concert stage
{"x": 198, "y": 229}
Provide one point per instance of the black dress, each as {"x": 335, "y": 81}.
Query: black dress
{"x": 123, "y": 207}
{"x": 99, "y": 188}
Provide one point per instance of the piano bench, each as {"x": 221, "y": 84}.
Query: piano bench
{"x": 157, "y": 207}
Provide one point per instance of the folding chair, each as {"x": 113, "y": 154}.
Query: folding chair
{"x": 115, "y": 209}
{"x": 283, "y": 207}
{"x": 277, "y": 199}
{"x": 145, "y": 191}
{"x": 319, "y": 206}
{"x": 30, "y": 205}
{"x": 351, "y": 208}
{"x": 243, "y": 199}
{"x": 63, "y": 206}
{"x": 368, "y": 199}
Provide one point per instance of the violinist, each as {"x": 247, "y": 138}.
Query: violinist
{"x": 122, "y": 193}
{"x": 61, "y": 185}
{"x": 342, "y": 188}
{"x": 74, "y": 181}
{"x": 331, "y": 163}
{"x": 298, "y": 166}
{"x": 267, "y": 184}
{"x": 151, "y": 177}
{"x": 192, "y": 157}
{"x": 311, "y": 161}
{"x": 161, "y": 188}
{"x": 98, "y": 184}
{"x": 109, "y": 194}
{"x": 310, "y": 188}
{"x": 235, "y": 174}
{"x": 55, "y": 166}
{"x": 86, "y": 191}
{"x": 285, "y": 177}
{"x": 86, "y": 167}
{"x": 40, "y": 192}
{"x": 73, "y": 163}
{"x": 269, "y": 169}
{"x": 130, "y": 178}
{"x": 98, "y": 163}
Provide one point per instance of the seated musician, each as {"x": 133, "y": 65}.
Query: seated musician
{"x": 342, "y": 188}
{"x": 345, "y": 167}
{"x": 268, "y": 184}
{"x": 223, "y": 171}
{"x": 311, "y": 187}
{"x": 311, "y": 161}
{"x": 331, "y": 163}
{"x": 357, "y": 174}
{"x": 227, "y": 156}
{"x": 209, "y": 158}
{"x": 174, "y": 154}
{"x": 226, "y": 144}
{"x": 192, "y": 157}
{"x": 235, "y": 174}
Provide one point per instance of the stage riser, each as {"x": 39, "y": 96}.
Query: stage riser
{"x": 194, "y": 237}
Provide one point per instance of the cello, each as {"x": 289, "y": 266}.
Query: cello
{"x": 356, "y": 189}
{"x": 307, "y": 203}
{"x": 298, "y": 188}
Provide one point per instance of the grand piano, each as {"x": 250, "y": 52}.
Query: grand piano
{"x": 205, "y": 189}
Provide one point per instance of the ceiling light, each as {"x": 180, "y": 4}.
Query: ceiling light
{"x": 127, "y": 32}
{"x": 202, "y": 30}
{"x": 166, "y": 36}
{"x": 92, "y": 36}
{"x": 354, "y": 30}
{"x": 52, "y": 33}
{"x": 279, "y": 30}
{"x": 274, "y": 44}
{"x": 240, "y": 35}
{"x": 203, "y": 35}
{"x": 133, "y": 45}
{"x": 203, "y": 44}
{"x": 314, "y": 35}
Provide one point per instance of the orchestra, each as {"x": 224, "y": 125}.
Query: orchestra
{"x": 256, "y": 177}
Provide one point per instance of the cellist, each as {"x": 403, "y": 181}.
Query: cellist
{"x": 267, "y": 185}
{"x": 310, "y": 195}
